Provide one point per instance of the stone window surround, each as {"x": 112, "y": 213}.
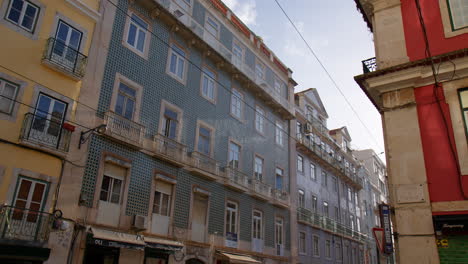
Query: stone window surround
{"x": 147, "y": 43}
{"x": 201, "y": 123}
{"x": 109, "y": 157}
{"x": 31, "y": 35}
{"x": 167, "y": 178}
{"x": 215, "y": 88}
{"x": 200, "y": 190}
{"x": 183, "y": 81}
{"x": 165, "y": 104}
{"x": 119, "y": 78}
{"x": 19, "y": 96}
{"x": 447, "y": 21}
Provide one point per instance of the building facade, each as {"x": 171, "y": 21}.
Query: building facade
{"x": 42, "y": 66}
{"x": 418, "y": 82}
{"x": 329, "y": 187}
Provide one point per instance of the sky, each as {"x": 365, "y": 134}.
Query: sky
{"x": 340, "y": 38}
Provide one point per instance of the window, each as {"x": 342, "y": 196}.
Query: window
{"x": 212, "y": 26}
{"x": 177, "y": 63}
{"x": 278, "y": 85}
{"x": 259, "y": 71}
{"x": 458, "y": 13}
{"x": 8, "y": 92}
{"x": 327, "y": 248}
{"x": 301, "y": 199}
{"x": 324, "y": 179}
{"x": 279, "y": 231}
{"x": 325, "y": 209}
{"x": 335, "y": 184}
{"x": 279, "y": 134}
{"x": 358, "y": 224}
{"x": 170, "y": 123}
{"x": 463, "y": 95}
{"x": 23, "y": 14}
{"x": 236, "y": 104}
{"x": 30, "y": 194}
{"x": 208, "y": 84}
{"x": 162, "y": 199}
{"x": 126, "y": 99}
{"x": 315, "y": 247}
{"x": 238, "y": 53}
{"x": 300, "y": 164}
{"x": 111, "y": 189}
{"x": 204, "y": 140}
{"x": 350, "y": 194}
{"x": 345, "y": 145}
{"x": 302, "y": 242}
{"x": 199, "y": 216}
{"x": 337, "y": 214}
{"x": 258, "y": 168}
{"x": 279, "y": 179}
{"x": 338, "y": 252}
{"x": 48, "y": 119}
{"x": 231, "y": 218}
{"x": 351, "y": 222}
{"x": 137, "y": 31}
{"x": 67, "y": 45}
{"x": 314, "y": 203}
{"x": 257, "y": 225}
{"x": 259, "y": 119}
{"x": 234, "y": 155}
{"x": 313, "y": 174}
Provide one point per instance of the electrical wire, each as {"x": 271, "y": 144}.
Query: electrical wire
{"x": 335, "y": 84}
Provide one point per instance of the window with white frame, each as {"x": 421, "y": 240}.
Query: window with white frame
{"x": 302, "y": 242}
{"x": 300, "y": 164}
{"x": 337, "y": 214}
{"x": 238, "y": 53}
{"x": 259, "y": 70}
{"x": 137, "y": 33}
{"x": 257, "y": 225}
{"x": 327, "y": 248}
{"x": 170, "y": 123}
{"x": 314, "y": 203}
{"x": 177, "y": 62}
{"x": 212, "y": 26}
{"x": 335, "y": 184}
{"x": 325, "y": 209}
{"x": 324, "y": 179}
{"x": 204, "y": 140}
{"x": 279, "y": 178}
{"x": 301, "y": 199}
{"x": 258, "y": 168}
{"x": 313, "y": 174}
{"x": 234, "y": 155}
{"x": 463, "y": 95}
{"x": 279, "y": 231}
{"x": 315, "y": 246}
{"x": 111, "y": 189}
{"x": 279, "y": 134}
{"x": 30, "y": 194}
{"x": 23, "y": 14}
{"x": 236, "y": 103}
{"x": 260, "y": 119}
{"x": 162, "y": 198}
{"x": 208, "y": 88}
{"x": 231, "y": 217}
{"x": 458, "y": 13}
{"x": 278, "y": 85}
{"x": 126, "y": 101}
{"x": 8, "y": 93}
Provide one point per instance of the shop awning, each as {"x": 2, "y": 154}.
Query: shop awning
{"x": 241, "y": 259}
{"x": 163, "y": 244}
{"x": 110, "y": 238}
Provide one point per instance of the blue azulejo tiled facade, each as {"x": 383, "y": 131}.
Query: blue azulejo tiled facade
{"x": 195, "y": 154}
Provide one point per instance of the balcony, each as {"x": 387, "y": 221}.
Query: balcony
{"x": 181, "y": 12}
{"x": 169, "y": 150}
{"x": 280, "y": 198}
{"x": 319, "y": 221}
{"x": 369, "y": 65}
{"x": 260, "y": 190}
{"x": 124, "y": 130}
{"x": 25, "y": 225}
{"x": 46, "y": 133}
{"x": 204, "y": 166}
{"x": 235, "y": 179}
{"x": 64, "y": 58}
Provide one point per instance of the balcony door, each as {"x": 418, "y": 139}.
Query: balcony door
{"x": 110, "y": 195}
{"x": 161, "y": 218}
{"x": 67, "y": 44}
{"x": 26, "y": 218}
{"x": 199, "y": 217}
{"x": 47, "y": 121}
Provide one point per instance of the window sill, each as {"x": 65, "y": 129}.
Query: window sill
{"x": 144, "y": 54}
{"x": 175, "y": 77}
{"x": 237, "y": 118}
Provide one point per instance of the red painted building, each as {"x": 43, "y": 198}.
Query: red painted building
{"x": 419, "y": 83}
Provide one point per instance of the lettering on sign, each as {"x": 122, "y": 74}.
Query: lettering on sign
{"x": 442, "y": 243}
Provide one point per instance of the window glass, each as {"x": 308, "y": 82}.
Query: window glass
{"x": 259, "y": 71}
{"x": 204, "y": 140}
{"x": 463, "y": 94}
{"x": 279, "y": 231}
{"x": 8, "y": 92}
{"x": 212, "y": 26}
{"x": 279, "y": 134}
{"x": 279, "y": 179}
{"x": 301, "y": 200}
{"x": 300, "y": 164}
{"x": 258, "y": 168}
{"x": 260, "y": 120}
{"x": 137, "y": 32}
{"x": 170, "y": 123}
{"x": 208, "y": 83}
{"x": 313, "y": 174}
{"x": 302, "y": 242}
{"x": 316, "y": 246}
{"x": 231, "y": 218}
{"x": 257, "y": 225}
{"x": 177, "y": 62}
{"x": 458, "y": 13}
{"x": 234, "y": 155}
{"x": 314, "y": 203}
{"x": 236, "y": 103}
{"x": 23, "y": 14}
{"x": 111, "y": 189}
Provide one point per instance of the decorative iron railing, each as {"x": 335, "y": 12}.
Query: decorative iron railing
{"x": 369, "y": 65}
{"x": 24, "y": 224}
{"x": 170, "y": 149}
{"x": 204, "y": 163}
{"x": 45, "y": 131}
{"x": 124, "y": 129}
{"x": 329, "y": 224}
{"x": 65, "y": 57}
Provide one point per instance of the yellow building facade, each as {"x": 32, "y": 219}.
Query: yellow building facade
{"x": 43, "y": 61}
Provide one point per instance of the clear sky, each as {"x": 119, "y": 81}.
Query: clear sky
{"x": 340, "y": 38}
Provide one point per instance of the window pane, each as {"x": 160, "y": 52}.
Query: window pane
{"x": 129, "y": 109}
{"x": 180, "y": 68}
{"x": 119, "y": 104}
{"x": 141, "y": 40}
{"x": 156, "y": 203}
{"x": 165, "y": 204}
{"x": 38, "y": 193}
{"x": 23, "y": 191}
{"x": 29, "y": 16}
{"x": 132, "y": 35}
{"x": 15, "y": 10}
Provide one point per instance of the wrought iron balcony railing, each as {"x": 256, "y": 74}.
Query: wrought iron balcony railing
{"x": 169, "y": 149}
{"x": 329, "y": 224}
{"x": 204, "y": 163}
{"x": 124, "y": 129}
{"x": 65, "y": 58}
{"x": 24, "y": 224}
{"x": 369, "y": 65}
{"x": 44, "y": 131}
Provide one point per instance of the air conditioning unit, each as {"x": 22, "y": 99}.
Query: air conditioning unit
{"x": 307, "y": 128}
{"x": 139, "y": 222}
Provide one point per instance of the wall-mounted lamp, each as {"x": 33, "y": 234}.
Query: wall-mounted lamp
{"x": 84, "y": 136}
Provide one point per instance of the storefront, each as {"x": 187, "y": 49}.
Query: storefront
{"x": 158, "y": 250}
{"x": 232, "y": 258}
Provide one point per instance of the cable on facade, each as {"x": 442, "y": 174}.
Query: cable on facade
{"x": 335, "y": 84}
